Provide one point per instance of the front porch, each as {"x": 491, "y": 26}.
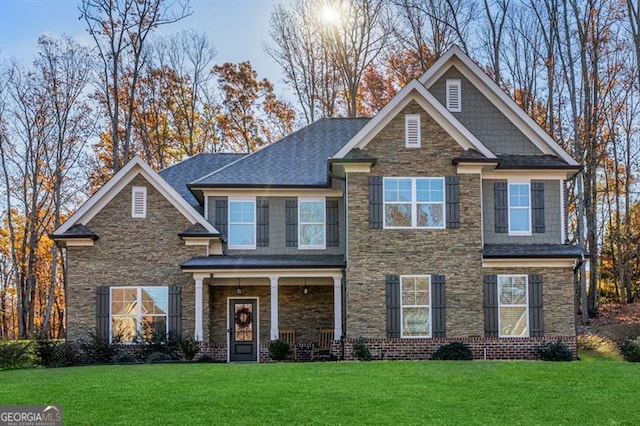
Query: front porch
{"x": 239, "y": 311}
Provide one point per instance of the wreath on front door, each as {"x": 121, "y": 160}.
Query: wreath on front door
{"x": 243, "y": 317}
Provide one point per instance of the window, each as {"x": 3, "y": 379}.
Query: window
{"x": 139, "y": 202}
{"x": 412, "y": 130}
{"x": 519, "y": 209}
{"x": 138, "y": 312}
{"x": 513, "y": 320}
{"x": 416, "y": 305}
{"x": 311, "y": 223}
{"x": 414, "y": 203}
{"x": 242, "y": 223}
{"x": 454, "y": 96}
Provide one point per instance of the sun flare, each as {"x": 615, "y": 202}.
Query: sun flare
{"x": 330, "y": 15}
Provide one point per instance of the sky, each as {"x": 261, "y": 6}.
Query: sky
{"x": 239, "y": 29}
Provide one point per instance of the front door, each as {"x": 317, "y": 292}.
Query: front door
{"x": 242, "y": 330}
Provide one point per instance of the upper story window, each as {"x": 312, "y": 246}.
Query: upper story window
{"x": 513, "y": 318}
{"x": 242, "y": 223}
{"x": 416, "y": 305}
{"x": 519, "y": 208}
{"x": 412, "y": 130}
{"x": 311, "y": 223}
{"x": 454, "y": 95}
{"x": 139, "y": 201}
{"x": 138, "y": 313}
{"x": 414, "y": 203}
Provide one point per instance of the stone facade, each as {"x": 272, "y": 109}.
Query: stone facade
{"x": 130, "y": 252}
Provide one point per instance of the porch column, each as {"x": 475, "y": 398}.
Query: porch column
{"x": 337, "y": 306}
{"x": 198, "y": 328}
{"x": 274, "y": 307}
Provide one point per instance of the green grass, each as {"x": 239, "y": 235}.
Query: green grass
{"x": 440, "y": 392}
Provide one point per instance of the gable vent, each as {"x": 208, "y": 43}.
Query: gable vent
{"x": 412, "y": 130}
{"x": 454, "y": 96}
{"x": 139, "y": 201}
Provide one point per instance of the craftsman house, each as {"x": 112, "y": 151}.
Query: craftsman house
{"x": 442, "y": 218}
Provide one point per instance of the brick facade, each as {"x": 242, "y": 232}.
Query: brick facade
{"x": 130, "y": 252}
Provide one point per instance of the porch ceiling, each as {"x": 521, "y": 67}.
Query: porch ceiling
{"x": 264, "y": 262}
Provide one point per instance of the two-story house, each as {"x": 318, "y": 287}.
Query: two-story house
{"x": 442, "y": 218}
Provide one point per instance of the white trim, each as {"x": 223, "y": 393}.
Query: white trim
{"x": 272, "y": 192}
{"x": 322, "y": 246}
{"x": 455, "y": 56}
{"x": 529, "y": 263}
{"x": 414, "y": 91}
{"x": 139, "y": 314}
{"x": 355, "y": 167}
{"x": 337, "y": 307}
{"x": 449, "y": 85}
{"x": 275, "y": 330}
{"x": 139, "y": 211}
{"x": 528, "y": 174}
{"x": 119, "y": 181}
{"x": 256, "y": 322}
{"x": 241, "y": 200}
{"x": 563, "y": 236}
{"x": 414, "y": 203}
{"x": 206, "y": 207}
{"x": 411, "y": 120}
{"x": 528, "y": 208}
{"x": 198, "y": 329}
{"x": 526, "y": 305}
{"x": 267, "y": 272}
{"x": 402, "y": 305}
{"x": 473, "y": 168}
{"x": 76, "y": 242}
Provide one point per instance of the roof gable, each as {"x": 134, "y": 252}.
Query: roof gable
{"x": 414, "y": 91}
{"x": 456, "y": 57}
{"x": 119, "y": 181}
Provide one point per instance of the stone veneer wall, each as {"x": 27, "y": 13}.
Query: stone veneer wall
{"x": 130, "y": 252}
{"x": 455, "y": 253}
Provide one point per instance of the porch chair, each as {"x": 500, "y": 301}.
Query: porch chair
{"x": 325, "y": 340}
{"x": 289, "y": 336}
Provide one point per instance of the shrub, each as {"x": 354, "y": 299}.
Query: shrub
{"x": 189, "y": 348}
{"x": 278, "y": 350}
{"x": 55, "y": 353}
{"x": 455, "y": 351}
{"x": 361, "y": 351}
{"x": 95, "y": 350}
{"x": 154, "y": 357}
{"x": 15, "y": 354}
{"x": 205, "y": 358}
{"x": 630, "y": 349}
{"x": 554, "y": 351}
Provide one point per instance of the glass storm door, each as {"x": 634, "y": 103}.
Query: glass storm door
{"x": 242, "y": 330}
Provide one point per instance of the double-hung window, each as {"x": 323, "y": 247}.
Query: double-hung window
{"x": 311, "y": 223}
{"x": 513, "y": 318}
{"x": 519, "y": 208}
{"x": 416, "y": 305}
{"x": 138, "y": 313}
{"x": 242, "y": 223}
{"x": 414, "y": 203}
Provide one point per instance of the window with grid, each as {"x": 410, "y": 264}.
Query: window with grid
{"x": 414, "y": 203}
{"x": 416, "y": 305}
{"x": 139, "y": 313}
{"x": 513, "y": 320}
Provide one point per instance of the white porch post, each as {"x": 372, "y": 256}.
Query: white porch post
{"x": 198, "y": 327}
{"x": 274, "y": 307}
{"x": 337, "y": 306}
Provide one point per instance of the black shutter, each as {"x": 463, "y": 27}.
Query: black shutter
{"x": 537, "y": 207}
{"x": 491, "y": 306}
{"x": 262, "y": 223}
{"x": 452, "y": 194}
{"x": 175, "y": 311}
{"x": 291, "y": 222}
{"x": 375, "y": 202}
{"x": 536, "y": 325}
{"x": 102, "y": 313}
{"x": 333, "y": 236}
{"x": 501, "y": 207}
{"x": 393, "y": 306}
{"x": 222, "y": 216}
{"x": 438, "y": 305}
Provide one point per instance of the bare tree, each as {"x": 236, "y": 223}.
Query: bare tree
{"x": 496, "y": 14}
{"x": 120, "y": 30}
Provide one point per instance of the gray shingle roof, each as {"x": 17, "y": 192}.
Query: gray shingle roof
{"x": 77, "y": 231}
{"x": 471, "y": 155}
{"x": 197, "y": 230}
{"x": 259, "y": 262}
{"x": 547, "y": 251}
{"x": 186, "y": 171}
{"x": 512, "y": 161}
{"x": 297, "y": 160}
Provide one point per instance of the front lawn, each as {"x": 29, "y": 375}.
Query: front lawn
{"x": 442, "y": 392}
